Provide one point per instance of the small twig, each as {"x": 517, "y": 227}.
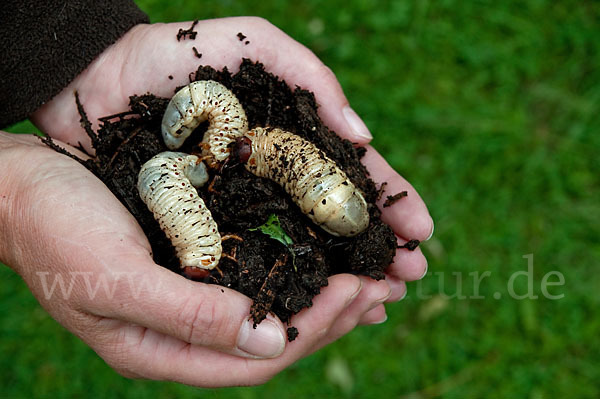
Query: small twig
{"x": 88, "y": 163}
{"x": 50, "y": 143}
{"x": 85, "y": 122}
{"x": 381, "y": 190}
{"x": 184, "y": 33}
{"x": 392, "y": 199}
{"x": 231, "y": 237}
{"x": 262, "y": 303}
{"x": 120, "y": 115}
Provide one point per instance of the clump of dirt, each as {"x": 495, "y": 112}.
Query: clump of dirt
{"x": 257, "y": 266}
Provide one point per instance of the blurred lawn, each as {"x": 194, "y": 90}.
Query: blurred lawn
{"x": 491, "y": 110}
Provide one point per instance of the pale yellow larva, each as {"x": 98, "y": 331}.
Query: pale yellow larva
{"x": 200, "y": 101}
{"x": 166, "y": 185}
{"x": 316, "y": 184}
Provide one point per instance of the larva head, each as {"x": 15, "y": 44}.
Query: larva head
{"x": 173, "y": 131}
{"x": 178, "y": 121}
{"x": 242, "y": 150}
{"x": 195, "y": 273}
{"x": 195, "y": 171}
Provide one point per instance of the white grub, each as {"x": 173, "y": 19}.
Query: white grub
{"x": 316, "y": 184}
{"x": 166, "y": 185}
{"x": 200, "y": 101}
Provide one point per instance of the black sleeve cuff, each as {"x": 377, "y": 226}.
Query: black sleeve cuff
{"x": 46, "y": 44}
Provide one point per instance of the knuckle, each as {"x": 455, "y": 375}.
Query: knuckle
{"x": 201, "y": 322}
{"x": 321, "y": 72}
{"x": 261, "y": 23}
{"x": 326, "y": 72}
{"x": 120, "y": 349}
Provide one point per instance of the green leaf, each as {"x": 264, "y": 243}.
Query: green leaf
{"x": 272, "y": 228}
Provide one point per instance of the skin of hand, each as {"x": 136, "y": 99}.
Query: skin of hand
{"x": 142, "y": 319}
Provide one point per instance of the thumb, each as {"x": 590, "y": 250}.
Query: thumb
{"x": 200, "y": 314}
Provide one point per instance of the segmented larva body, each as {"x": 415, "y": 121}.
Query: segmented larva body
{"x": 314, "y": 181}
{"x": 166, "y": 185}
{"x": 200, "y": 101}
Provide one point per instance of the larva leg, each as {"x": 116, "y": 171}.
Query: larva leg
{"x": 166, "y": 185}
{"x": 200, "y": 101}
{"x": 315, "y": 183}
{"x": 231, "y": 237}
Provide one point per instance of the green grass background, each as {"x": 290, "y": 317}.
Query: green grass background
{"x": 491, "y": 110}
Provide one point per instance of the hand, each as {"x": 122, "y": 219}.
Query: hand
{"x": 186, "y": 331}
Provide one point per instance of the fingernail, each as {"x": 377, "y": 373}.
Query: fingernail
{"x": 425, "y": 272}
{"x": 264, "y": 341}
{"x": 403, "y": 295}
{"x": 357, "y": 126}
{"x": 385, "y": 298}
{"x": 381, "y": 300}
{"x": 383, "y": 320}
{"x": 432, "y": 230}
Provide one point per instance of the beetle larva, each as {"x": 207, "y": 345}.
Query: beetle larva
{"x": 315, "y": 183}
{"x": 200, "y": 101}
{"x": 166, "y": 185}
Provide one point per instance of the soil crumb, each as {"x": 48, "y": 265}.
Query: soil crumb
{"x": 381, "y": 190}
{"x": 410, "y": 245}
{"x": 292, "y": 333}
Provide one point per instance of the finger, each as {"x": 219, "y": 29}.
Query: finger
{"x": 151, "y": 354}
{"x": 398, "y": 288}
{"x": 374, "y": 316}
{"x": 373, "y": 294}
{"x": 280, "y": 54}
{"x": 408, "y": 265}
{"x": 408, "y": 217}
{"x": 193, "y": 312}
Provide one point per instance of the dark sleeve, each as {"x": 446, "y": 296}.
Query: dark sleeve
{"x": 46, "y": 44}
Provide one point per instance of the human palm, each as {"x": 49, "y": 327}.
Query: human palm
{"x": 154, "y": 323}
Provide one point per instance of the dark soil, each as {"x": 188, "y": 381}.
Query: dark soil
{"x": 258, "y": 266}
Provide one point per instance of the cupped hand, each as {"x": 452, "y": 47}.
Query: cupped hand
{"x": 187, "y": 331}
{"x": 90, "y": 266}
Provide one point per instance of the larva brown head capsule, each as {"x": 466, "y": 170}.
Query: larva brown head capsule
{"x": 242, "y": 150}
{"x": 200, "y": 101}
{"x": 322, "y": 190}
